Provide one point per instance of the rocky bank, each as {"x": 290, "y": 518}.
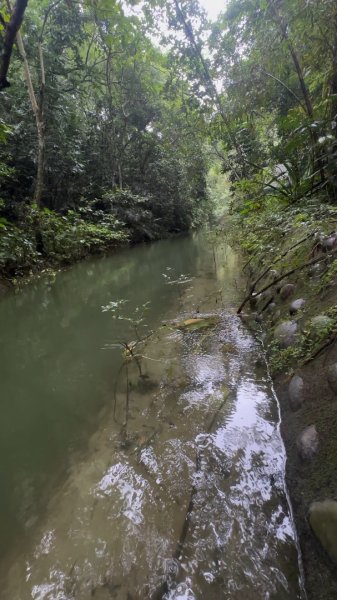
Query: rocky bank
{"x": 296, "y": 315}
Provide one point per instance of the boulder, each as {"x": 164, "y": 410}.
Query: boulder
{"x": 319, "y": 324}
{"x": 296, "y": 392}
{"x": 329, "y": 243}
{"x": 296, "y": 305}
{"x": 332, "y": 377}
{"x": 307, "y": 442}
{"x": 287, "y": 290}
{"x": 323, "y": 521}
{"x": 285, "y": 333}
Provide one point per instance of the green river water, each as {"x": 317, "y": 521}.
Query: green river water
{"x": 161, "y": 477}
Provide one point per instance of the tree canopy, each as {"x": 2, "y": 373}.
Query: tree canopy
{"x": 116, "y": 110}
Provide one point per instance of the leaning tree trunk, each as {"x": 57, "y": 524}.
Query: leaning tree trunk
{"x": 11, "y": 30}
{"x": 333, "y": 111}
{"x": 308, "y": 106}
{"x": 37, "y": 108}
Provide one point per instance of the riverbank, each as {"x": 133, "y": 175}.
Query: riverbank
{"x": 292, "y": 302}
{"x": 42, "y": 241}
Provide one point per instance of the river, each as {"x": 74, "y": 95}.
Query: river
{"x": 140, "y": 455}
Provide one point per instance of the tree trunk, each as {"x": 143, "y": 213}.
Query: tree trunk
{"x": 333, "y": 112}
{"x": 307, "y": 106}
{"x": 38, "y": 113}
{"x": 11, "y": 30}
{"x": 284, "y": 31}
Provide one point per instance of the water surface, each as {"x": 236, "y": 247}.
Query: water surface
{"x": 156, "y": 475}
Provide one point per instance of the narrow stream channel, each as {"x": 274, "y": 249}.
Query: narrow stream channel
{"x": 160, "y": 477}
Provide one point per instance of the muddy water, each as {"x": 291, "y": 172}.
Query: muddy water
{"x": 154, "y": 471}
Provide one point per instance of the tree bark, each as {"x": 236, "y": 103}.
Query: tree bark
{"x": 308, "y": 106}
{"x": 37, "y": 108}
{"x": 284, "y": 32}
{"x": 333, "y": 112}
{"x": 11, "y": 31}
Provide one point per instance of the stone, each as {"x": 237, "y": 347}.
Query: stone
{"x": 296, "y": 392}
{"x": 318, "y": 324}
{"x": 270, "y": 307}
{"x": 332, "y": 377}
{"x": 316, "y": 270}
{"x": 323, "y": 521}
{"x": 285, "y": 333}
{"x": 307, "y": 442}
{"x": 329, "y": 243}
{"x": 296, "y": 305}
{"x": 287, "y": 290}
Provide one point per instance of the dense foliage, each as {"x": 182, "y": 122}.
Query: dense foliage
{"x": 110, "y": 138}
{"x": 103, "y": 142}
{"x": 277, "y": 60}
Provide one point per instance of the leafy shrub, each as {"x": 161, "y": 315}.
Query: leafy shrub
{"x": 43, "y": 236}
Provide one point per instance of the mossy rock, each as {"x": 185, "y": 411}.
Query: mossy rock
{"x": 318, "y": 325}
{"x": 285, "y": 333}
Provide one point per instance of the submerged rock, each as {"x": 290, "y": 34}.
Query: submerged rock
{"x": 285, "y": 333}
{"x": 296, "y": 306}
{"x": 323, "y": 521}
{"x": 296, "y": 392}
{"x": 332, "y": 377}
{"x": 307, "y": 442}
{"x": 198, "y": 323}
{"x": 287, "y": 290}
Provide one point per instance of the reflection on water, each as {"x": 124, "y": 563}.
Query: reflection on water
{"x": 179, "y": 493}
